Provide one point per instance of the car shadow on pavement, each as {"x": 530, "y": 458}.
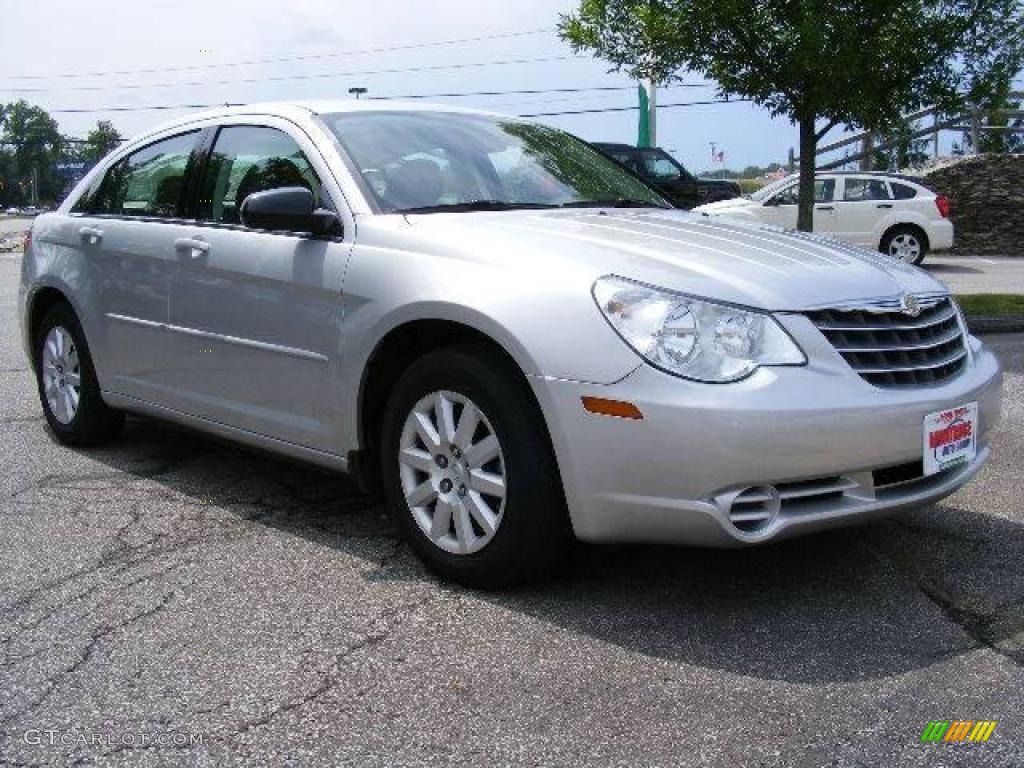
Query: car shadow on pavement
{"x": 951, "y": 269}
{"x": 862, "y": 602}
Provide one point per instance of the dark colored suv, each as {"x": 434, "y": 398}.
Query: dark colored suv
{"x": 669, "y": 177}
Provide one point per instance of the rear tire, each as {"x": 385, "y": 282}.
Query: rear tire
{"x": 481, "y": 505}
{"x": 66, "y": 378}
{"x": 905, "y": 243}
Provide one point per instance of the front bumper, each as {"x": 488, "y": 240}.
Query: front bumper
{"x": 670, "y": 477}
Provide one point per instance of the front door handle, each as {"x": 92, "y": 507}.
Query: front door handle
{"x": 196, "y": 247}
{"x": 884, "y": 205}
{"x": 91, "y": 234}
{"x": 824, "y": 207}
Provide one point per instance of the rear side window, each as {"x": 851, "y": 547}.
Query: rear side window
{"x": 248, "y": 159}
{"x": 149, "y": 182}
{"x": 902, "y": 191}
{"x": 865, "y": 189}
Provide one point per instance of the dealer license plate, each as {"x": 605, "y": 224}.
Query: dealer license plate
{"x": 950, "y": 438}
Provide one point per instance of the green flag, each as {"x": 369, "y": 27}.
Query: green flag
{"x": 644, "y": 133}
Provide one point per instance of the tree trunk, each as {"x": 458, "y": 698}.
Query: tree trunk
{"x": 805, "y": 204}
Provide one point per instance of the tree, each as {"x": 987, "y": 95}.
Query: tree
{"x": 906, "y": 152}
{"x": 100, "y": 141}
{"x": 821, "y": 63}
{"x": 992, "y": 117}
{"x": 34, "y": 144}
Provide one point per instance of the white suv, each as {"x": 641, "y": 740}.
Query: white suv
{"x": 891, "y": 213}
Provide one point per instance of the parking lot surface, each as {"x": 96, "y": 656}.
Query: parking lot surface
{"x": 978, "y": 274}
{"x": 170, "y": 584}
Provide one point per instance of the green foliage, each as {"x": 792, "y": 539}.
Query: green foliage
{"x": 858, "y": 63}
{"x": 992, "y": 116}
{"x": 102, "y": 140}
{"x": 30, "y": 144}
{"x": 906, "y": 153}
{"x": 974, "y": 304}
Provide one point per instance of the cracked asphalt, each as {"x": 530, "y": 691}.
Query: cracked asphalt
{"x": 170, "y": 584}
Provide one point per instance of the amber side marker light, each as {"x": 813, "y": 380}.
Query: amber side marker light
{"x": 618, "y": 408}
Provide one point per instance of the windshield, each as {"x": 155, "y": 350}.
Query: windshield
{"x": 765, "y": 192}
{"x": 428, "y": 161}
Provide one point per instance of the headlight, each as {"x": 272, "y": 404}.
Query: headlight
{"x": 694, "y": 338}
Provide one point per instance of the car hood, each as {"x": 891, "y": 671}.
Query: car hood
{"x": 746, "y": 263}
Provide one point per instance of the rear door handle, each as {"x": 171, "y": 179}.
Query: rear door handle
{"x": 884, "y": 205}
{"x": 196, "y": 247}
{"x": 824, "y": 208}
{"x": 91, "y": 234}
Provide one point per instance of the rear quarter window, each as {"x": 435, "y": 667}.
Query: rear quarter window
{"x": 902, "y": 191}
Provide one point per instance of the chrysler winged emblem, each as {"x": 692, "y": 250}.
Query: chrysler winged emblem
{"x": 909, "y": 305}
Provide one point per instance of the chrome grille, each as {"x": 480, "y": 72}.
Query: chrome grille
{"x": 890, "y": 348}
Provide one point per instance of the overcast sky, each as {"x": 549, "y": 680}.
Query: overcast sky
{"x": 54, "y": 38}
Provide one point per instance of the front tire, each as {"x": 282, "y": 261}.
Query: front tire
{"x": 906, "y": 243}
{"x": 469, "y": 472}
{"x": 66, "y": 378}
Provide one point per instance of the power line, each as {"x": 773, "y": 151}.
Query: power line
{"x": 284, "y": 59}
{"x": 532, "y": 91}
{"x": 630, "y": 109}
{"x": 410, "y": 97}
{"x": 289, "y": 78}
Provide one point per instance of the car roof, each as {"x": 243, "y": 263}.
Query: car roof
{"x": 302, "y": 109}
{"x": 877, "y": 174}
{"x": 885, "y": 174}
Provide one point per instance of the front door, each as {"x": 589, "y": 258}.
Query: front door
{"x": 255, "y": 317}
{"x": 781, "y": 208}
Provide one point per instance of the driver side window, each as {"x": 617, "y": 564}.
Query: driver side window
{"x": 824, "y": 192}
{"x": 247, "y": 159}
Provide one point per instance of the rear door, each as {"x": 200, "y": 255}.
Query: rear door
{"x": 255, "y": 317}
{"x": 127, "y": 227}
{"x": 865, "y": 203}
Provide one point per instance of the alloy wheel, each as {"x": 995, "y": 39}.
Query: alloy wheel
{"x": 905, "y": 247}
{"x": 62, "y": 378}
{"x": 452, "y": 472}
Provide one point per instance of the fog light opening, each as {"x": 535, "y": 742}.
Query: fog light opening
{"x": 754, "y": 509}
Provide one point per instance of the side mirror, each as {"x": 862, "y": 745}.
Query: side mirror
{"x": 288, "y": 209}
{"x": 771, "y": 202}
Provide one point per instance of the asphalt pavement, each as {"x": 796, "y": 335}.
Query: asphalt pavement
{"x": 172, "y": 600}
{"x": 978, "y": 274}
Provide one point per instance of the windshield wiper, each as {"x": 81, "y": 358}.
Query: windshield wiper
{"x": 619, "y": 202}
{"x": 476, "y": 205}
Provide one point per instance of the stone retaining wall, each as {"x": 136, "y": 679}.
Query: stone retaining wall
{"x": 986, "y": 195}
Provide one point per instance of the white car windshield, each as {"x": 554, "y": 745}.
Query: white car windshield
{"x": 440, "y": 161}
{"x": 767, "y": 191}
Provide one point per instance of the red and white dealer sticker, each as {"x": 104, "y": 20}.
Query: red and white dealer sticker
{"x": 950, "y": 438}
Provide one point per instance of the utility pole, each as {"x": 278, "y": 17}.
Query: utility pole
{"x": 867, "y": 147}
{"x": 35, "y": 186}
{"x": 975, "y": 129}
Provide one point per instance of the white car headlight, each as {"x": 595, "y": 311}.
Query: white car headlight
{"x": 694, "y": 338}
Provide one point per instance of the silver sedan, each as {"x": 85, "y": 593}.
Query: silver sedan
{"x": 513, "y": 338}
